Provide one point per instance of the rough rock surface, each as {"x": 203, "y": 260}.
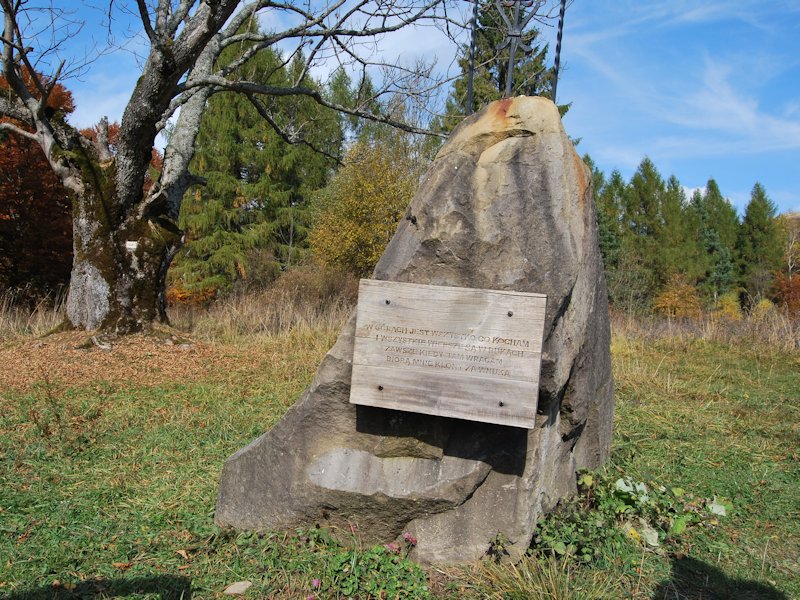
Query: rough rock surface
{"x": 506, "y": 205}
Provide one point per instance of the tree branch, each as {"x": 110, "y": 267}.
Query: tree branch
{"x": 251, "y": 88}
{"x": 144, "y": 15}
{"x": 11, "y": 22}
{"x": 16, "y": 110}
{"x": 286, "y": 137}
{"x": 19, "y": 131}
{"x": 50, "y": 85}
{"x": 178, "y": 16}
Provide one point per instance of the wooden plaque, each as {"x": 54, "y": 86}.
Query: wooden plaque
{"x": 454, "y": 352}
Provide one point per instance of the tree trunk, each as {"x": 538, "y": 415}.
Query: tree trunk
{"x": 120, "y": 261}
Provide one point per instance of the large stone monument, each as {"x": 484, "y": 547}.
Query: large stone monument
{"x": 506, "y": 205}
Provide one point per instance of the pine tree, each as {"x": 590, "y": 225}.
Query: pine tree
{"x": 361, "y": 95}
{"x": 721, "y": 216}
{"x": 608, "y": 197}
{"x": 696, "y": 213}
{"x": 531, "y": 76}
{"x": 642, "y": 200}
{"x": 248, "y": 221}
{"x": 629, "y": 225}
{"x": 678, "y": 238}
{"x": 721, "y": 274}
{"x": 718, "y": 232}
{"x": 641, "y": 204}
{"x": 759, "y": 245}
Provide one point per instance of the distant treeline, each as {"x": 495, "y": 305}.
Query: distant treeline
{"x": 675, "y": 254}
{"x": 663, "y": 251}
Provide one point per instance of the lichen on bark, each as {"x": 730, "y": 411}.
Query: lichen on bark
{"x": 120, "y": 258}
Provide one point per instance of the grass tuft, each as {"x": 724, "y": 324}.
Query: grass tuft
{"x": 769, "y": 329}
{"x": 305, "y": 298}
{"x": 547, "y": 578}
{"x": 18, "y": 318}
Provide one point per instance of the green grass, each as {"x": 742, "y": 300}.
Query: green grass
{"x": 720, "y": 420}
{"x": 109, "y": 489}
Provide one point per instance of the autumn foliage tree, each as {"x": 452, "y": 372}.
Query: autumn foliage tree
{"x": 678, "y": 300}
{"x": 35, "y": 213}
{"x": 787, "y": 292}
{"x": 356, "y": 214}
{"x": 786, "y": 287}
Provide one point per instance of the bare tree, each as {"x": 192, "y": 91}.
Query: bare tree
{"x": 790, "y": 225}
{"x": 124, "y": 237}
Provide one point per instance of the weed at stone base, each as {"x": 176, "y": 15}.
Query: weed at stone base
{"x": 609, "y": 514}
{"x": 311, "y": 563}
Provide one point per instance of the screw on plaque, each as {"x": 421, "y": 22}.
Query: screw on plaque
{"x": 500, "y": 403}
{"x": 511, "y": 313}
{"x": 380, "y": 388}
{"x": 388, "y": 302}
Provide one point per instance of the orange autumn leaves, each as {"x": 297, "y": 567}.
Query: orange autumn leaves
{"x": 35, "y": 213}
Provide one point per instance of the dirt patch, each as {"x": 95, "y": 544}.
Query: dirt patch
{"x": 66, "y": 359}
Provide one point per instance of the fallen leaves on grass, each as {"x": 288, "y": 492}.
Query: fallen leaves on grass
{"x": 140, "y": 359}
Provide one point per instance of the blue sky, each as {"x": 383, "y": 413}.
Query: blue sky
{"x": 704, "y": 88}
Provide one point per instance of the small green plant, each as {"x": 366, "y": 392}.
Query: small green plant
{"x": 349, "y": 571}
{"x": 498, "y": 548}
{"x": 379, "y": 572}
{"x": 608, "y": 514}
{"x": 46, "y": 411}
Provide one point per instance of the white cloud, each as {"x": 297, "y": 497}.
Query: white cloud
{"x": 714, "y": 117}
{"x": 690, "y": 191}
{"x": 734, "y": 115}
{"x": 704, "y": 89}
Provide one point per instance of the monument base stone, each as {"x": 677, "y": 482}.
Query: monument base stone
{"x": 506, "y": 205}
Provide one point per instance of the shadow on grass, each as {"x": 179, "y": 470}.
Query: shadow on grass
{"x": 695, "y": 580}
{"x": 167, "y": 587}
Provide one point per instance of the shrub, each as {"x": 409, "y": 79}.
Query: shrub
{"x": 177, "y": 294}
{"x": 787, "y": 293}
{"x": 610, "y": 514}
{"x": 762, "y": 311}
{"x": 728, "y": 307}
{"x": 679, "y": 300}
{"x": 315, "y": 284}
{"x": 356, "y": 215}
